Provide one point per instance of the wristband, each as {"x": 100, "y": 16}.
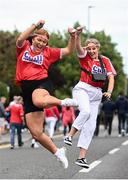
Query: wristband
{"x": 39, "y": 26}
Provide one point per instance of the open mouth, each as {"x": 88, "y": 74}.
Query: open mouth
{"x": 39, "y": 47}
{"x": 92, "y": 54}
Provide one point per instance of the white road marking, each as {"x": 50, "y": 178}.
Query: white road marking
{"x": 91, "y": 166}
{"x": 113, "y": 151}
{"x": 125, "y": 143}
{"x": 96, "y": 163}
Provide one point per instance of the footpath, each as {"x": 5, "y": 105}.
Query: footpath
{"x": 27, "y": 136}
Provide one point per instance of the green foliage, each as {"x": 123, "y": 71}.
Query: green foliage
{"x": 8, "y": 59}
{"x": 69, "y": 66}
{"x": 66, "y": 72}
{"x": 4, "y": 90}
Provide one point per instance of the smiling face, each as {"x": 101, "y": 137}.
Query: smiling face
{"x": 40, "y": 40}
{"x": 92, "y": 47}
{"x": 92, "y": 50}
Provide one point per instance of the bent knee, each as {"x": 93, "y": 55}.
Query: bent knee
{"x": 39, "y": 98}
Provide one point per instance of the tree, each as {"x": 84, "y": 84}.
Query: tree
{"x": 8, "y": 58}
{"x": 4, "y": 90}
{"x": 69, "y": 66}
{"x": 64, "y": 73}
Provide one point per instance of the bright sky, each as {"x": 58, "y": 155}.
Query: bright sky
{"x": 108, "y": 15}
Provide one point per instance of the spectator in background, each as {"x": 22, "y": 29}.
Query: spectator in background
{"x": 108, "y": 108}
{"x": 68, "y": 116}
{"x": 2, "y": 116}
{"x": 126, "y": 115}
{"x": 34, "y": 143}
{"x": 13, "y": 101}
{"x": 52, "y": 115}
{"x": 121, "y": 110}
{"x": 16, "y": 120}
{"x": 98, "y": 120}
{"x": 7, "y": 117}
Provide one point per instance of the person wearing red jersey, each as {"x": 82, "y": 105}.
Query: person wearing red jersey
{"x": 51, "y": 116}
{"x": 33, "y": 61}
{"x": 88, "y": 93}
{"x": 16, "y": 121}
{"x": 68, "y": 116}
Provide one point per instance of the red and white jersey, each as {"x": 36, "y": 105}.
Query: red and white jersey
{"x": 16, "y": 111}
{"x": 33, "y": 66}
{"x": 68, "y": 115}
{"x": 94, "y": 67}
{"x": 52, "y": 112}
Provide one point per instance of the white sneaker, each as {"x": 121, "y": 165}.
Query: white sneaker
{"x": 61, "y": 156}
{"x": 36, "y": 145}
{"x": 119, "y": 135}
{"x": 69, "y": 102}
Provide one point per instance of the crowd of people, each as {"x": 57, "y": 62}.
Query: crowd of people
{"x": 13, "y": 120}
{"x": 38, "y": 107}
{"x": 108, "y": 110}
{"x": 61, "y": 119}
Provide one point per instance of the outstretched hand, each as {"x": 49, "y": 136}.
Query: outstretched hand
{"x": 40, "y": 24}
{"x": 72, "y": 32}
{"x": 79, "y": 29}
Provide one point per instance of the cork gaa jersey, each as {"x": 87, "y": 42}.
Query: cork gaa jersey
{"x": 32, "y": 66}
{"x": 94, "y": 67}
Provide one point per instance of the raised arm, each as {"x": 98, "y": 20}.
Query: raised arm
{"x": 24, "y": 35}
{"x": 79, "y": 48}
{"x": 71, "y": 43}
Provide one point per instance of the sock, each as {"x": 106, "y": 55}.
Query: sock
{"x": 62, "y": 102}
{"x": 33, "y": 141}
{"x": 57, "y": 152}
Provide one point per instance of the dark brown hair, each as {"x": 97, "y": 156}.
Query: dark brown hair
{"x": 41, "y": 32}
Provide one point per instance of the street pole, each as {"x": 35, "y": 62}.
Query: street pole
{"x": 126, "y": 85}
{"x": 126, "y": 76}
{"x": 89, "y": 18}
